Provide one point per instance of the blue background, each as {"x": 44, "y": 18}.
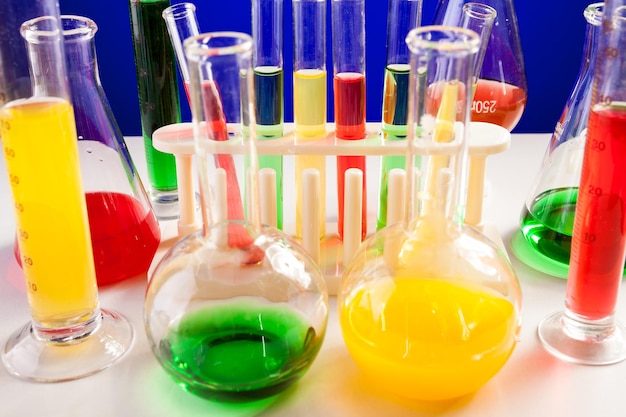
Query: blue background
{"x": 551, "y": 31}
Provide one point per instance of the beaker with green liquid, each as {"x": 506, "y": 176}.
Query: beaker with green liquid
{"x": 236, "y": 311}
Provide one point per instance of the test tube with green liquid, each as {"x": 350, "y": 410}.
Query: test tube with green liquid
{"x": 403, "y": 15}
{"x": 267, "y": 31}
{"x": 157, "y": 86}
{"x": 309, "y": 96}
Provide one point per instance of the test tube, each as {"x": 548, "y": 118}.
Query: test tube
{"x": 159, "y": 102}
{"x": 181, "y": 23}
{"x": 402, "y": 16}
{"x": 478, "y": 17}
{"x": 267, "y": 31}
{"x": 348, "y": 45}
{"x": 309, "y": 101}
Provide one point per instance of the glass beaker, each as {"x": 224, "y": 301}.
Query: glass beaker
{"x": 236, "y": 311}
{"x": 159, "y": 102}
{"x": 501, "y": 91}
{"x": 69, "y": 336}
{"x": 586, "y": 331}
{"x": 547, "y": 218}
{"x": 430, "y": 309}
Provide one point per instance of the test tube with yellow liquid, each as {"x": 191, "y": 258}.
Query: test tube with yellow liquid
{"x": 430, "y": 308}
{"x": 69, "y": 336}
{"x": 309, "y": 101}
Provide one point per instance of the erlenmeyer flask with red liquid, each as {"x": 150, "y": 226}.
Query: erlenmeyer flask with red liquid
{"x": 501, "y": 91}
{"x": 125, "y": 233}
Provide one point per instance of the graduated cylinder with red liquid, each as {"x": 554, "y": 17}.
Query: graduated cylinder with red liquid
{"x": 587, "y": 331}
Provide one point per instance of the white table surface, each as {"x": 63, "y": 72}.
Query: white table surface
{"x": 532, "y": 383}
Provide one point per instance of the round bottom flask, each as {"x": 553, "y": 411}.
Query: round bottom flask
{"x": 429, "y": 314}
{"x": 236, "y": 323}
{"x": 430, "y": 308}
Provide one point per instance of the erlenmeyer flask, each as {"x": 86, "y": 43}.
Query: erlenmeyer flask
{"x": 125, "y": 234}
{"x": 547, "y": 218}
{"x": 236, "y": 311}
{"x": 501, "y": 91}
{"x": 430, "y": 309}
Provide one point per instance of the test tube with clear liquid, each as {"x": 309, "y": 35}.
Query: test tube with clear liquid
{"x": 348, "y": 46}
{"x": 587, "y": 331}
{"x": 309, "y": 97}
{"x": 69, "y": 335}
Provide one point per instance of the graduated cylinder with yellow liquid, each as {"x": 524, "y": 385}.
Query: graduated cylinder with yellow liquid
{"x": 430, "y": 309}
{"x": 69, "y": 336}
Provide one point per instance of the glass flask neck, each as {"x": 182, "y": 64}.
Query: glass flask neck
{"x": 573, "y": 121}
{"x": 439, "y": 103}
{"x": 44, "y": 44}
{"x": 80, "y": 49}
{"x": 14, "y": 66}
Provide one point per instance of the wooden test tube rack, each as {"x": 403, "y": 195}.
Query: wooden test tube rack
{"x": 331, "y": 253}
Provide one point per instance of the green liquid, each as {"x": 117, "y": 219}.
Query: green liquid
{"x": 548, "y": 225}
{"x": 388, "y": 163}
{"x": 239, "y": 351}
{"x": 157, "y": 85}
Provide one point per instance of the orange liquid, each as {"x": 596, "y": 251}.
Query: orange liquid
{"x": 498, "y": 103}
{"x": 39, "y": 139}
{"x": 428, "y": 339}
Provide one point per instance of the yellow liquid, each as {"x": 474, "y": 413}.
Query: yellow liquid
{"x": 310, "y": 124}
{"x": 39, "y": 140}
{"x": 309, "y": 102}
{"x": 427, "y": 339}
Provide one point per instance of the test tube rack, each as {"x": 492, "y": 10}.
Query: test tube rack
{"x": 331, "y": 253}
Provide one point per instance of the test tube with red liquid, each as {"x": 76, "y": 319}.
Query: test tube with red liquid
{"x": 348, "y": 44}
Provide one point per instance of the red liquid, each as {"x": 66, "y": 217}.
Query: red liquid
{"x": 599, "y": 237}
{"x": 125, "y": 235}
{"x": 498, "y": 103}
{"x": 350, "y": 105}
{"x": 350, "y": 125}
{"x": 217, "y": 130}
